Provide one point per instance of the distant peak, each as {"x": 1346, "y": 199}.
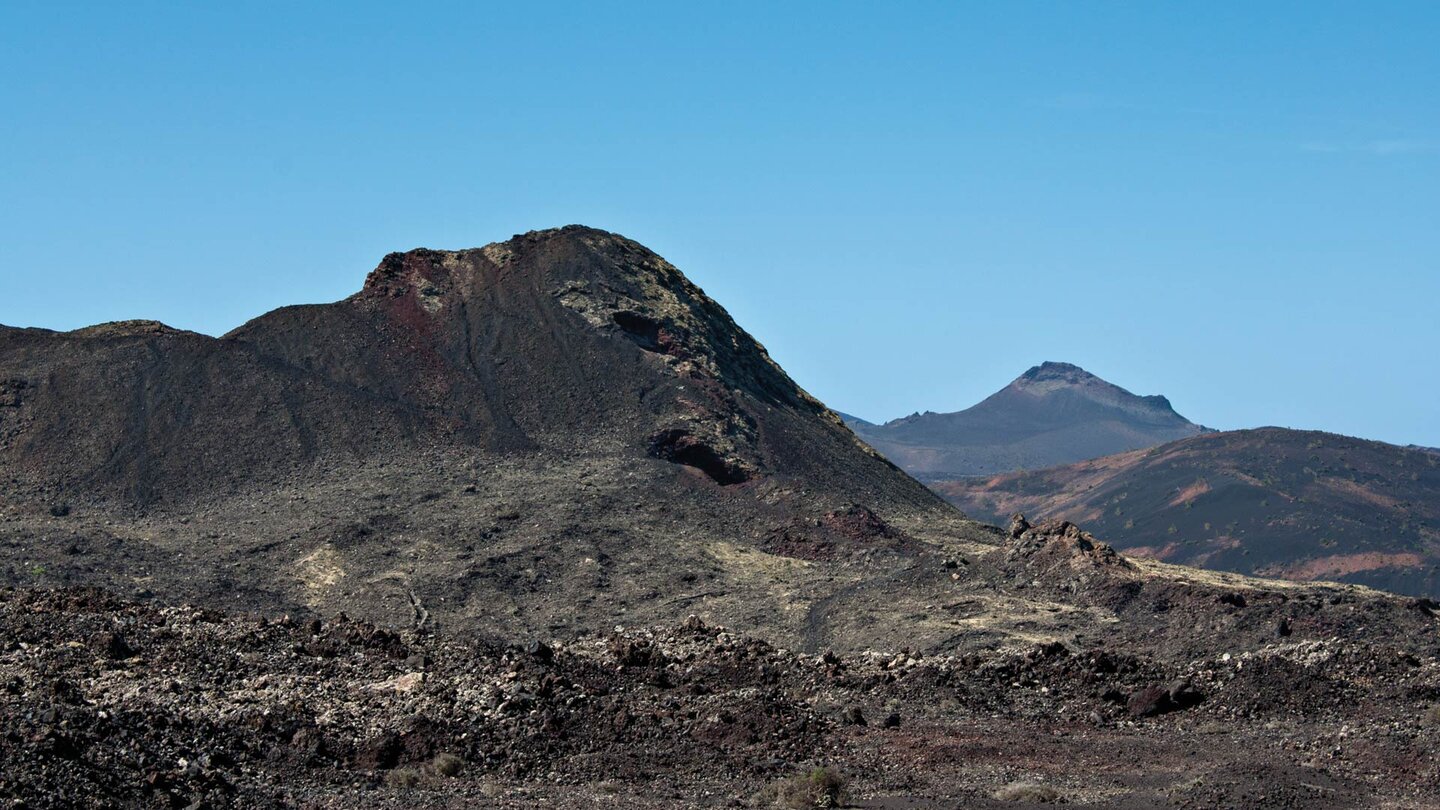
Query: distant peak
{"x": 1067, "y": 379}
{"x": 1055, "y": 372}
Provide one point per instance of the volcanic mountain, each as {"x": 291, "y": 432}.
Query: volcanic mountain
{"x": 1273, "y": 502}
{"x": 539, "y": 522}
{"x": 551, "y": 426}
{"x": 1052, "y": 414}
{"x": 556, "y": 341}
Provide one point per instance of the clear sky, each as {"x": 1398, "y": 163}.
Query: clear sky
{"x": 1236, "y": 204}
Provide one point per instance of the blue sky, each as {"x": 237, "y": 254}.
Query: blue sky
{"x": 1235, "y": 204}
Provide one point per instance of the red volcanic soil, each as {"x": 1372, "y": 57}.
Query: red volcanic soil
{"x": 1338, "y": 566}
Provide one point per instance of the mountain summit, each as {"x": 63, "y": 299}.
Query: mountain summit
{"x": 1054, "y": 413}
{"x": 1064, "y": 379}
{"x": 555, "y": 340}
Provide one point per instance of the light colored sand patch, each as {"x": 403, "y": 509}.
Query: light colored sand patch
{"x": 966, "y": 540}
{"x": 750, "y": 560}
{"x": 1026, "y": 622}
{"x": 319, "y": 571}
{"x": 1202, "y": 576}
{"x": 407, "y": 682}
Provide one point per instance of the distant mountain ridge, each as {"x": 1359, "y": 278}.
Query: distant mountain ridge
{"x": 1054, "y": 413}
{"x": 1294, "y": 504}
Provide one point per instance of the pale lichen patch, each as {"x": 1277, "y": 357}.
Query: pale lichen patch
{"x": 319, "y": 572}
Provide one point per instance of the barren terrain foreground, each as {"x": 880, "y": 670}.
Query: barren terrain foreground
{"x": 441, "y": 543}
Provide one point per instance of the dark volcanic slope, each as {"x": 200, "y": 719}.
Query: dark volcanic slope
{"x": 1287, "y": 503}
{"x": 553, "y": 427}
{"x": 1054, "y": 413}
{"x": 553, "y": 338}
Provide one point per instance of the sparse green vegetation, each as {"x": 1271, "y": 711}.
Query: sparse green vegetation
{"x": 403, "y": 778}
{"x": 1431, "y": 717}
{"x": 820, "y": 788}
{"x": 1027, "y": 792}
{"x": 446, "y": 764}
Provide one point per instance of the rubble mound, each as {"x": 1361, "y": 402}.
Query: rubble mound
{"x": 1060, "y": 538}
{"x": 1061, "y": 555}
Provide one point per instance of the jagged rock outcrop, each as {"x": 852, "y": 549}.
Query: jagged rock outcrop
{"x": 1058, "y": 554}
